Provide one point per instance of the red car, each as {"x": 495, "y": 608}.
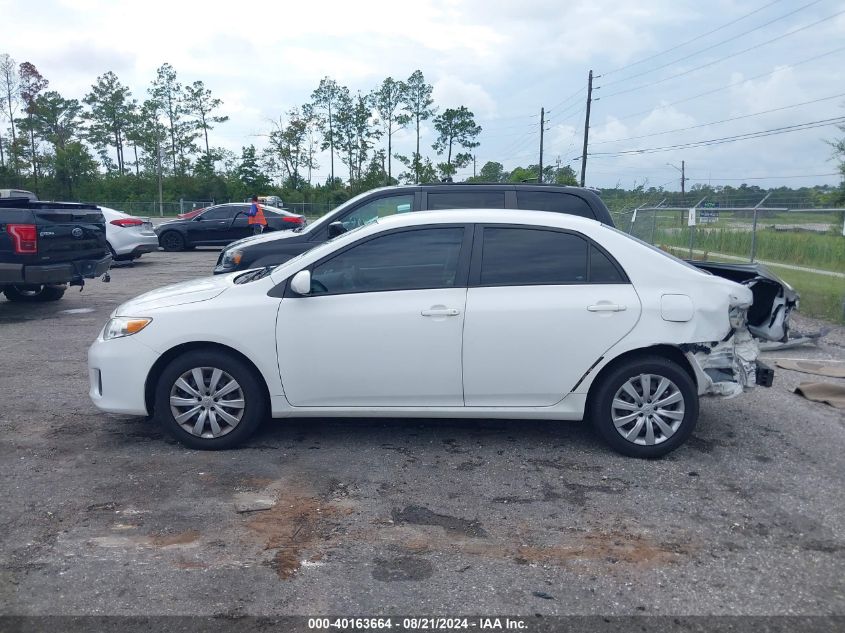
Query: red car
{"x": 190, "y": 214}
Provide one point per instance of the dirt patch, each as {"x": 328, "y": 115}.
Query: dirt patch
{"x": 297, "y": 525}
{"x": 420, "y": 515}
{"x": 609, "y": 547}
{"x": 575, "y": 548}
{"x": 402, "y": 568}
{"x": 169, "y": 540}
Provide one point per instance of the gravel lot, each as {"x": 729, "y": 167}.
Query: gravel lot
{"x": 104, "y": 515}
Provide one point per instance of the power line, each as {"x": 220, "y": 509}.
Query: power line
{"x": 682, "y": 44}
{"x": 712, "y": 46}
{"x": 572, "y": 96}
{"x": 768, "y": 177}
{"x": 734, "y": 83}
{"x": 736, "y": 118}
{"x": 721, "y": 59}
{"x": 727, "y": 139}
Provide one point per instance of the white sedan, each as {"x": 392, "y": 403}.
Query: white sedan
{"x": 471, "y": 313}
{"x": 128, "y": 236}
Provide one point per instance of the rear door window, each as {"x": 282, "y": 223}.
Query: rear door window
{"x": 466, "y": 200}
{"x": 554, "y": 201}
{"x": 523, "y": 256}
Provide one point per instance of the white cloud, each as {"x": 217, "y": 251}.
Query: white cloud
{"x": 500, "y": 58}
{"x": 452, "y": 92}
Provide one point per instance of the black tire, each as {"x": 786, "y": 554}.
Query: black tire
{"x": 251, "y": 386}
{"x": 172, "y": 241}
{"x": 34, "y": 294}
{"x": 603, "y": 409}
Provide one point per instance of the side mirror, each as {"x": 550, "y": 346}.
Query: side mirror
{"x": 336, "y": 228}
{"x": 301, "y": 282}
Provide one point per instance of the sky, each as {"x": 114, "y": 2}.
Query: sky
{"x": 661, "y": 67}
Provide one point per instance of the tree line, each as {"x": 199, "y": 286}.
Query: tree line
{"x": 112, "y": 145}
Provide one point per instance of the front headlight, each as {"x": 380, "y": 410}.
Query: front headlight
{"x": 231, "y": 258}
{"x": 124, "y": 326}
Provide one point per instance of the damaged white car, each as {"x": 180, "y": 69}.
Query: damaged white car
{"x": 465, "y": 313}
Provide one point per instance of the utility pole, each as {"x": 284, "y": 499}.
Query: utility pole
{"x": 160, "y": 198}
{"x": 473, "y": 166}
{"x": 586, "y": 128}
{"x": 542, "y": 127}
{"x": 683, "y": 180}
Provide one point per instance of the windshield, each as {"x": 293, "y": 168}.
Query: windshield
{"x": 331, "y": 215}
{"x": 324, "y": 245}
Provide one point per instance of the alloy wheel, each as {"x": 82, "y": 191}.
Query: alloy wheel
{"x": 647, "y": 409}
{"x": 207, "y": 402}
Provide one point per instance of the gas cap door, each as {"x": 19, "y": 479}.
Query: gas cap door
{"x": 676, "y": 307}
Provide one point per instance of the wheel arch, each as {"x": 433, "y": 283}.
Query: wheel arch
{"x": 165, "y": 359}
{"x": 669, "y": 352}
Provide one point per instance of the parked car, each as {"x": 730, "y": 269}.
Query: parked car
{"x": 128, "y": 236}
{"x": 46, "y": 245}
{"x": 467, "y": 313}
{"x": 273, "y": 249}
{"x": 17, "y": 193}
{"x": 221, "y": 224}
{"x": 273, "y": 201}
{"x": 190, "y": 214}
{"x": 774, "y": 298}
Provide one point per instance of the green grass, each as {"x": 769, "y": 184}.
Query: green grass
{"x": 822, "y": 296}
{"x": 815, "y": 250}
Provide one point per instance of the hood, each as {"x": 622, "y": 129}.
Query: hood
{"x": 175, "y": 295}
{"x": 261, "y": 238}
{"x": 161, "y": 225}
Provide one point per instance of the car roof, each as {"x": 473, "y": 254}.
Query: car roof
{"x": 488, "y": 216}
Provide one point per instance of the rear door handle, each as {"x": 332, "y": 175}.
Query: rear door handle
{"x": 431, "y": 312}
{"x": 606, "y": 307}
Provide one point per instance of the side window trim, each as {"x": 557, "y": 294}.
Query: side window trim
{"x": 461, "y": 273}
{"x": 474, "y": 280}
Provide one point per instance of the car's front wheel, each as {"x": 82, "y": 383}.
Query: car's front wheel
{"x": 210, "y": 400}
{"x": 645, "y": 407}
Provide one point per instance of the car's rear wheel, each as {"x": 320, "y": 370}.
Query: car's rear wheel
{"x": 34, "y": 294}
{"x": 645, "y": 407}
{"x": 171, "y": 241}
{"x": 210, "y": 400}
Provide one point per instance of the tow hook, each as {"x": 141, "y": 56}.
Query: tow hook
{"x": 765, "y": 375}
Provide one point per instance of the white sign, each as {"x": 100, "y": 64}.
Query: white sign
{"x": 691, "y": 217}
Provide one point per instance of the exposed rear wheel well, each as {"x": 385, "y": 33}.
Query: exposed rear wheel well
{"x": 664, "y": 351}
{"x": 165, "y": 359}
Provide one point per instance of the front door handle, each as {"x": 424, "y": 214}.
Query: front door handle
{"x": 441, "y": 312}
{"x": 606, "y": 307}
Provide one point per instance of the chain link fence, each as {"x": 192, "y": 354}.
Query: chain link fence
{"x": 310, "y": 210}
{"x": 802, "y": 244}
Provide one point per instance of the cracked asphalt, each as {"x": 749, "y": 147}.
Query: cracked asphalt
{"x": 104, "y": 515}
